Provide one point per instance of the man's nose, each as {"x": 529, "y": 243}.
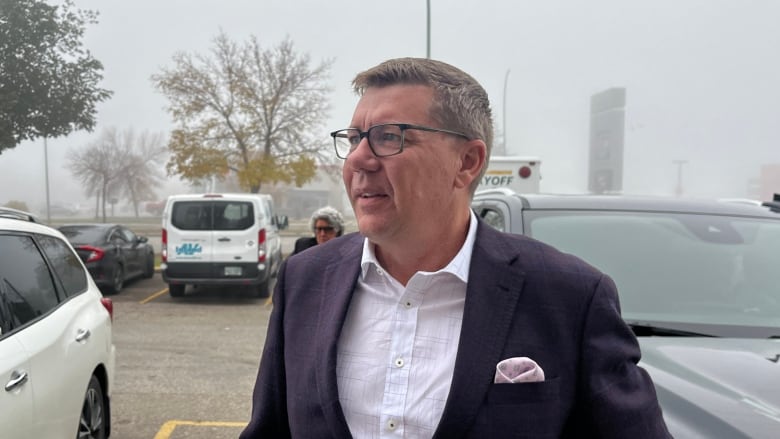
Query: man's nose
{"x": 362, "y": 157}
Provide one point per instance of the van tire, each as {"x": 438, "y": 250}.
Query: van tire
{"x": 262, "y": 289}
{"x": 176, "y": 290}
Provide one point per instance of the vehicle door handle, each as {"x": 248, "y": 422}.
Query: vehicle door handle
{"x": 82, "y": 334}
{"x": 225, "y": 239}
{"x": 17, "y": 379}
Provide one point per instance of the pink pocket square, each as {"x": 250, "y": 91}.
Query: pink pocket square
{"x": 518, "y": 370}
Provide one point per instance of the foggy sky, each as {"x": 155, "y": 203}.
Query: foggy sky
{"x": 702, "y": 77}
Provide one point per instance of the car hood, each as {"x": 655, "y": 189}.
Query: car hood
{"x": 716, "y": 387}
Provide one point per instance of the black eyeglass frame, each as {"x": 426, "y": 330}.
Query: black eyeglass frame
{"x": 340, "y": 134}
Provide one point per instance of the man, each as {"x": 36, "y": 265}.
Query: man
{"x": 326, "y": 223}
{"x": 413, "y": 327}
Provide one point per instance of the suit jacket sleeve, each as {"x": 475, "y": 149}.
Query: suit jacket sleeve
{"x": 619, "y": 399}
{"x": 269, "y": 399}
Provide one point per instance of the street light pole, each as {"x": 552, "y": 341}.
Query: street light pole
{"x": 679, "y": 189}
{"x": 46, "y": 171}
{"x": 506, "y": 78}
{"x": 428, "y": 30}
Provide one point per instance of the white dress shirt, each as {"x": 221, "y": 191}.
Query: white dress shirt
{"x": 397, "y": 349}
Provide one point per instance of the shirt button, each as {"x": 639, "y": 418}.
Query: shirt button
{"x": 399, "y": 362}
{"x": 380, "y": 272}
{"x": 408, "y": 304}
{"x": 392, "y": 424}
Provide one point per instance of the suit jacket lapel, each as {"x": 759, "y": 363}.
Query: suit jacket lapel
{"x": 491, "y": 300}
{"x": 337, "y": 286}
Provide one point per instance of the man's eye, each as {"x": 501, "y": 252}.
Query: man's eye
{"x": 353, "y": 140}
{"x": 390, "y": 137}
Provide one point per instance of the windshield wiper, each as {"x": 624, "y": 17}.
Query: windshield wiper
{"x": 644, "y": 329}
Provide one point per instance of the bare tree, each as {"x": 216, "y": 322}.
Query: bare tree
{"x": 253, "y": 111}
{"x": 119, "y": 164}
{"x": 142, "y": 171}
{"x": 98, "y": 165}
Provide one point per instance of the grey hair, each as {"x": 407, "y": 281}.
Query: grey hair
{"x": 460, "y": 103}
{"x": 331, "y": 215}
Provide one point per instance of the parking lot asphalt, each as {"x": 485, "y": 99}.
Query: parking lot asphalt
{"x": 185, "y": 367}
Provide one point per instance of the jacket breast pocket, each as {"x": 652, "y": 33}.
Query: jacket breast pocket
{"x": 523, "y": 410}
{"x": 524, "y": 393}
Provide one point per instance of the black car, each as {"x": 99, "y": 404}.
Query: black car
{"x": 112, "y": 253}
{"x": 698, "y": 284}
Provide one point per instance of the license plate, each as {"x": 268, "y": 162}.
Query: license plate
{"x": 232, "y": 271}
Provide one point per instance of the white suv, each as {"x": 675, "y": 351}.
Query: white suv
{"x": 221, "y": 240}
{"x": 56, "y": 350}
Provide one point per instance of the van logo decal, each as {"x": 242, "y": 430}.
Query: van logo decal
{"x": 188, "y": 249}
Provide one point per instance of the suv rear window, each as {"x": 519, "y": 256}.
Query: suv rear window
{"x": 26, "y": 287}
{"x": 212, "y": 215}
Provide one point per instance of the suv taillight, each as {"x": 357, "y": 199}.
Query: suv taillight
{"x": 261, "y": 246}
{"x": 108, "y": 304}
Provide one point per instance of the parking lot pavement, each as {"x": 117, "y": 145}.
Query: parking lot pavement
{"x": 186, "y": 367}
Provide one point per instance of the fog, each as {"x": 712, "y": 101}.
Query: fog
{"x": 701, "y": 78}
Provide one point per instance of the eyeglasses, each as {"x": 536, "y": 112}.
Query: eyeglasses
{"x": 384, "y": 140}
{"x": 326, "y": 229}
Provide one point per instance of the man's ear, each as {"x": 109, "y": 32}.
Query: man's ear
{"x": 472, "y": 160}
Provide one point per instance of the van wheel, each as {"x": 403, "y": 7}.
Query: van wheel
{"x": 176, "y": 290}
{"x": 262, "y": 290}
{"x": 94, "y": 413}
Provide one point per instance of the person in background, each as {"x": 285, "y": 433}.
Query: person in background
{"x": 326, "y": 223}
{"x": 429, "y": 323}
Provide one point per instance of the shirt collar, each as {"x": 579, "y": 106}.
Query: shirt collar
{"x": 459, "y": 265}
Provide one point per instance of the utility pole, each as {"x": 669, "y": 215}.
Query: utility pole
{"x": 428, "y": 30}
{"x": 679, "y": 189}
{"x": 46, "y": 172}
{"x": 506, "y": 78}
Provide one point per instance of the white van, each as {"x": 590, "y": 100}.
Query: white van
{"x": 220, "y": 239}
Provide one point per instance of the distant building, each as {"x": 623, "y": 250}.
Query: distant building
{"x": 325, "y": 189}
{"x": 768, "y": 182}
{"x": 607, "y": 125}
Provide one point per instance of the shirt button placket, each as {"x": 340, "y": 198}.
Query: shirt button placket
{"x": 392, "y": 424}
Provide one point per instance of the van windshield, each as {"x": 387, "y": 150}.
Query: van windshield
{"x": 212, "y": 215}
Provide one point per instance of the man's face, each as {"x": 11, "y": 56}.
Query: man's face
{"x": 406, "y": 196}
{"x": 323, "y": 231}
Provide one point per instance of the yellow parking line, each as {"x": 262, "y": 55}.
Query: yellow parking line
{"x": 167, "y": 429}
{"x": 154, "y": 296}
